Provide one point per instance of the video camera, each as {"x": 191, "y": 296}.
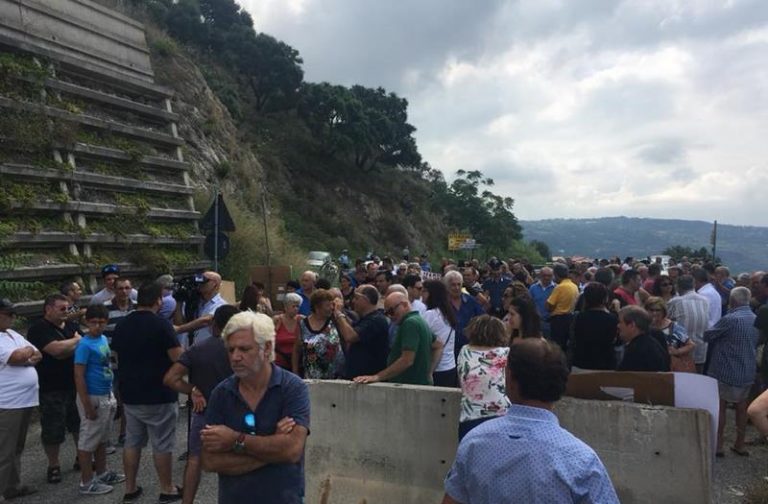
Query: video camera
{"x": 185, "y": 292}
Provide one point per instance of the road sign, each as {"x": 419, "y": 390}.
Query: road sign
{"x": 460, "y": 241}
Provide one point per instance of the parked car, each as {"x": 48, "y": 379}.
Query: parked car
{"x": 316, "y": 258}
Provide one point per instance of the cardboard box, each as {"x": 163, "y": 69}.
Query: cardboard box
{"x": 648, "y": 388}
{"x": 274, "y": 279}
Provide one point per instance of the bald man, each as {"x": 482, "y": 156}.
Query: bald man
{"x": 410, "y": 355}
{"x": 210, "y": 300}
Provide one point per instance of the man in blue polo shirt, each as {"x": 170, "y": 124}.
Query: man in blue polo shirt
{"x": 248, "y": 441}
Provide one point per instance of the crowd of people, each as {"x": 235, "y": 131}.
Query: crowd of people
{"x": 503, "y": 332}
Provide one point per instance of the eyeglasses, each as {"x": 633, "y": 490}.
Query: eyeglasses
{"x": 250, "y": 423}
{"x": 391, "y": 310}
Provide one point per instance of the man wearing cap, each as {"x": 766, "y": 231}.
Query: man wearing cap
{"x": 494, "y": 288}
{"x": 210, "y": 299}
{"x": 109, "y": 273}
{"x": 18, "y": 396}
{"x": 57, "y": 341}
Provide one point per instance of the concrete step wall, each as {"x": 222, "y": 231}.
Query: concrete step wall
{"x": 390, "y": 443}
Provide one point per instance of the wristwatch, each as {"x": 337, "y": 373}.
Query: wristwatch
{"x": 239, "y": 446}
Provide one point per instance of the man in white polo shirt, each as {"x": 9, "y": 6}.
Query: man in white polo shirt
{"x": 18, "y": 396}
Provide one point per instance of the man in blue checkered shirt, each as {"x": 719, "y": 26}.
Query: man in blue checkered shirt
{"x": 732, "y": 357}
{"x": 525, "y": 456}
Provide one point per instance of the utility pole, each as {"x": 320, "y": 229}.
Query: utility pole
{"x": 216, "y": 228}
{"x": 714, "y": 242}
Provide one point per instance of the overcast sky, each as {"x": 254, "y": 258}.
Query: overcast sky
{"x": 576, "y": 108}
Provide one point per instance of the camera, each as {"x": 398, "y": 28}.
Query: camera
{"x": 185, "y": 292}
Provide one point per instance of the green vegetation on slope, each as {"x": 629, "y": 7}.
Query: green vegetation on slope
{"x": 340, "y": 163}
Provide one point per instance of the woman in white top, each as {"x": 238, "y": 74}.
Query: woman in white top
{"x": 441, "y": 320}
{"x": 481, "y": 369}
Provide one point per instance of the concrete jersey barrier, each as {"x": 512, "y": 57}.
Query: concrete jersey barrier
{"x": 388, "y": 443}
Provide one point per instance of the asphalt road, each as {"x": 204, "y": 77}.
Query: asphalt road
{"x": 34, "y": 466}
{"x": 732, "y": 474}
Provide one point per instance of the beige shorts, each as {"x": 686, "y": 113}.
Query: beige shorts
{"x": 732, "y": 394}
{"x": 95, "y": 432}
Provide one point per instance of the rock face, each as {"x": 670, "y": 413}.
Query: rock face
{"x": 213, "y": 141}
{"x": 320, "y": 202}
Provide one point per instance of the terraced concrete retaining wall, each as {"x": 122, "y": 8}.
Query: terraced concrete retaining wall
{"x": 391, "y": 443}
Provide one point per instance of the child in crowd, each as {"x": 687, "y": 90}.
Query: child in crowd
{"x": 95, "y": 403}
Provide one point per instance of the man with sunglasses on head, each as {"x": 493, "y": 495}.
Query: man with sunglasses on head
{"x": 18, "y": 396}
{"x": 109, "y": 273}
{"x": 257, "y": 451}
{"x": 57, "y": 340}
{"x": 410, "y": 356}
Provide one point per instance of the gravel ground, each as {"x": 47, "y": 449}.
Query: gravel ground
{"x": 732, "y": 474}
{"x": 34, "y": 466}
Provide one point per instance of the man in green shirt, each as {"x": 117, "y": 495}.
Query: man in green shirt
{"x": 411, "y": 352}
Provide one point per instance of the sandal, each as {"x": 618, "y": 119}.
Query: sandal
{"x": 54, "y": 474}
{"x": 740, "y": 453}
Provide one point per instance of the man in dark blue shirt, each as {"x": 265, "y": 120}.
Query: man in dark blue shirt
{"x": 494, "y": 288}
{"x": 368, "y": 338}
{"x": 258, "y": 458}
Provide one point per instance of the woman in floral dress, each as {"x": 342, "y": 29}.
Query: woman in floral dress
{"x": 318, "y": 350}
{"x": 481, "y": 365}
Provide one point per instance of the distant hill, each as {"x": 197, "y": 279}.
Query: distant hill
{"x": 742, "y": 248}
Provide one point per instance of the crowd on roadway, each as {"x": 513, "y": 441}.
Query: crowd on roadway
{"x": 503, "y": 332}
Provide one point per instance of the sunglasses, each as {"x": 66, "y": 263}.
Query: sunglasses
{"x": 391, "y": 311}
{"x": 250, "y": 423}
{"x": 109, "y": 269}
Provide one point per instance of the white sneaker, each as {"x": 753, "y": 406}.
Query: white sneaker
{"x": 95, "y": 487}
{"x": 111, "y": 478}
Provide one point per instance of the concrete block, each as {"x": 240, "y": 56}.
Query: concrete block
{"x": 389, "y": 443}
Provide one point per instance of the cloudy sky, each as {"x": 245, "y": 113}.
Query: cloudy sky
{"x": 576, "y": 108}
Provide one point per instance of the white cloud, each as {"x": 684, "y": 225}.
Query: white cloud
{"x": 654, "y": 108}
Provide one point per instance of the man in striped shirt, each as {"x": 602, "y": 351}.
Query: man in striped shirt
{"x": 691, "y": 310}
{"x": 733, "y": 342}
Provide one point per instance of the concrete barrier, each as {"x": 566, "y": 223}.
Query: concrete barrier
{"x": 388, "y": 443}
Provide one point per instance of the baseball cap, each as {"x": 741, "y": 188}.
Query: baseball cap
{"x": 6, "y": 306}
{"x": 110, "y": 269}
{"x": 494, "y": 264}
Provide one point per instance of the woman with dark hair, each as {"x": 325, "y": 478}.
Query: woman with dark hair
{"x": 481, "y": 369}
{"x": 255, "y": 300}
{"x": 318, "y": 349}
{"x": 522, "y": 319}
{"x": 441, "y": 319}
{"x": 594, "y": 331}
{"x": 664, "y": 288}
{"x": 347, "y": 290}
